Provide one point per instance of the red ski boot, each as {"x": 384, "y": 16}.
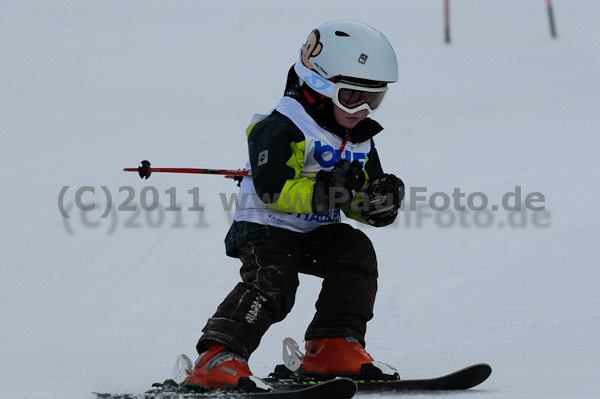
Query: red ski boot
{"x": 344, "y": 357}
{"x": 220, "y": 368}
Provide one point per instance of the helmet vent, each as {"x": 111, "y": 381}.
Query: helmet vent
{"x": 340, "y": 33}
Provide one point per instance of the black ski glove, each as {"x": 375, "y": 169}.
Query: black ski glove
{"x": 384, "y": 196}
{"x": 337, "y": 187}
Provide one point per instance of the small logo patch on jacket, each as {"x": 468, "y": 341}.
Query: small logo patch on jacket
{"x": 263, "y": 157}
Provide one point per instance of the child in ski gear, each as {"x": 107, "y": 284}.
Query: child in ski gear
{"x": 310, "y": 157}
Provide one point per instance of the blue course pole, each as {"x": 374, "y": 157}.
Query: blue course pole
{"x": 551, "y": 18}
{"x": 447, "y": 20}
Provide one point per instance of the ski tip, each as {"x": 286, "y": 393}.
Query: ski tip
{"x": 484, "y": 369}
{"x": 477, "y": 373}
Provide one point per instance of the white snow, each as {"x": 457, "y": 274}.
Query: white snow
{"x": 91, "y": 87}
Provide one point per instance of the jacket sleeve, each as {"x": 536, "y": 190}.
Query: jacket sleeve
{"x": 372, "y": 170}
{"x": 276, "y": 151}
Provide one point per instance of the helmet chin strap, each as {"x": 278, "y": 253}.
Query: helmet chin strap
{"x": 320, "y": 108}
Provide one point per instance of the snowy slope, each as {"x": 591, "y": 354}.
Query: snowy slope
{"x": 105, "y": 304}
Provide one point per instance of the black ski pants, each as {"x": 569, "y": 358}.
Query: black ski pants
{"x": 342, "y": 255}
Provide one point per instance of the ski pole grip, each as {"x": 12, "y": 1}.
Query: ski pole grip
{"x": 144, "y": 170}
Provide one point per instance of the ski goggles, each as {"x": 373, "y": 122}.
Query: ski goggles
{"x": 348, "y": 96}
{"x": 352, "y": 98}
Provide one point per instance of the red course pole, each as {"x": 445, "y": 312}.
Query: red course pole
{"x": 551, "y": 18}
{"x": 447, "y": 20}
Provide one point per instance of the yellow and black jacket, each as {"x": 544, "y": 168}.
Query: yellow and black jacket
{"x": 286, "y": 148}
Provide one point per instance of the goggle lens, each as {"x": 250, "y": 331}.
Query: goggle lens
{"x": 352, "y": 98}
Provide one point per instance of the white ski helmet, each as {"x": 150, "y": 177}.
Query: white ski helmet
{"x": 352, "y": 50}
{"x": 349, "y": 62}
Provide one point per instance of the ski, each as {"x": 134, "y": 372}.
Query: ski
{"x": 466, "y": 378}
{"x": 339, "y": 388}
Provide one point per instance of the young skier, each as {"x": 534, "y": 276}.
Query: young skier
{"x": 310, "y": 157}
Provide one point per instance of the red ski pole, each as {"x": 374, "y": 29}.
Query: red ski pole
{"x": 145, "y": 171}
